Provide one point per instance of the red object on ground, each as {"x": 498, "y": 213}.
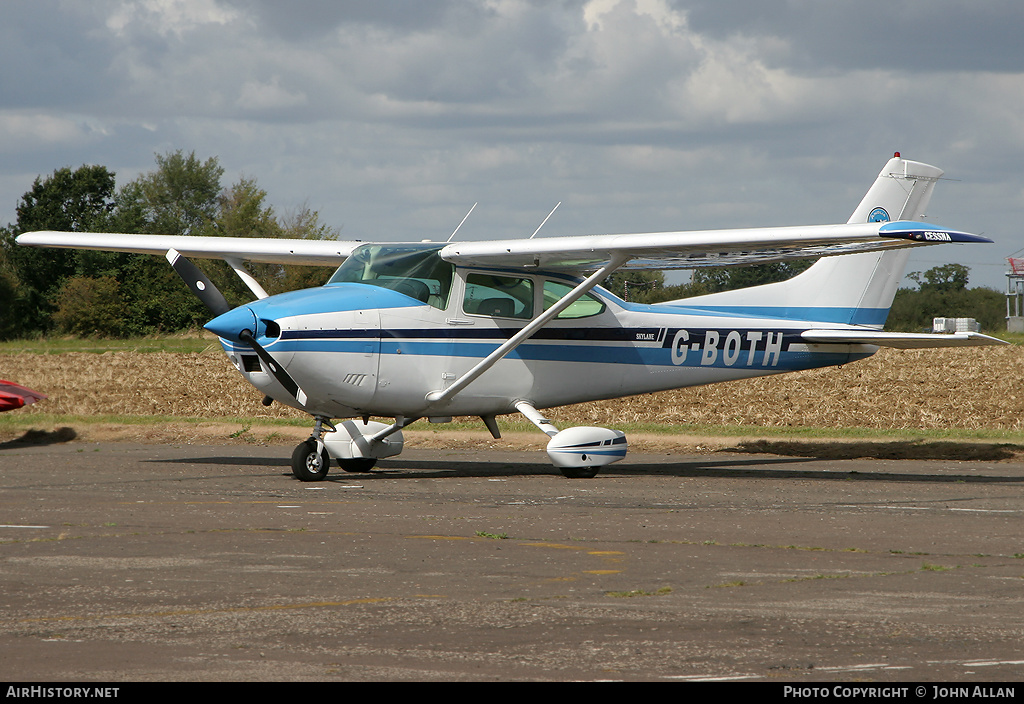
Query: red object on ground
{"x": 15, "y": 396}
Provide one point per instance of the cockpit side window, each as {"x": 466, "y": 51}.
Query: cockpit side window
{"x": 498, "y": 296}
{"x": 416, "y": 271}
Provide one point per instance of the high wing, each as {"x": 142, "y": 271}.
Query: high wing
{"x": 252, "y": 249}
{"x": 691, "y": 250}
{"x": 664, "y": 250}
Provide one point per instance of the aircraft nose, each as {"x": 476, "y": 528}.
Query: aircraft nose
{"x": 230, "y": 324}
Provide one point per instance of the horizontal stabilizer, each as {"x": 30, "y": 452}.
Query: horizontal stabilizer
{"x": 902, "y": 340}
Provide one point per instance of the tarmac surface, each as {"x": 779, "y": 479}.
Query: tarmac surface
{"x": 123, "y": 562}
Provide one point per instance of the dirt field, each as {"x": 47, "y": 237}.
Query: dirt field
{"x": 968, "y": 389}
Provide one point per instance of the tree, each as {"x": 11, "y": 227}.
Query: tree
{"x": 715, "y": 279}
{"x": 75, "y": 201}
{"x": 10, "y": 317}
{"x": 91, "y": 306}
{"x": 636, "y": 286}
{"x": 242, "y": 212}
{"x": 79, "y": 201}
{"x": 180, "y": 197}
{"x": 948, "y": 277}
{"x": 649, "y": 286}
{"x": 85, "y": 292}
{"x": 943, "y": 293}
{"x": 304, "y": 224}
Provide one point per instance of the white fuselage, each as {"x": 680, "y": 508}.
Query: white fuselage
{"x": 357, "y": 349}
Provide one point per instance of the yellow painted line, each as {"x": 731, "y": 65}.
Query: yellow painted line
{"x": 605, "y": 552}
{"x": 555, "y": 546}
{"x": 602, "y": 571}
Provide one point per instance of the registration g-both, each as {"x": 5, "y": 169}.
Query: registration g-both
{"x": 411, "y": 331}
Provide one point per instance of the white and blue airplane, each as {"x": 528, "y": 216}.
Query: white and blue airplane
{"x": 430, "y": 331}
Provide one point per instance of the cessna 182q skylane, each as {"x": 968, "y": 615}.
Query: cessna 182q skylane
{"x": 412, "y": 331}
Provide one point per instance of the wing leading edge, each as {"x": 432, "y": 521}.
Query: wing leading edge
{"x": 252, "y": 249}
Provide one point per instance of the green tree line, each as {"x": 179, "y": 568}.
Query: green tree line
{"x": 941, "y": 292}
{"x": 67, "y": 291}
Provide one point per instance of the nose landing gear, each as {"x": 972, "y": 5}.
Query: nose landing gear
{"x": 357, "y": 445}
{"x": 310, "y": 460}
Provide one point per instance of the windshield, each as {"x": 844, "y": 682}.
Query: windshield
{"x": 415, "y": 270}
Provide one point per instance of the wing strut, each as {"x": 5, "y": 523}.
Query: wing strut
{"x": 246, "y": 277}
{"x": 435, "y": 397}
{"x": 537, "y": 418}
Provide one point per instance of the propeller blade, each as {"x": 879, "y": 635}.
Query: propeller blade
{"x": 276, "y": 369}
{"x": 204, "y": 289}
{"x": 198, "y": 283}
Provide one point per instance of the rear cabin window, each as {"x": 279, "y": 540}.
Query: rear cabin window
{"x": 498, "y": 296}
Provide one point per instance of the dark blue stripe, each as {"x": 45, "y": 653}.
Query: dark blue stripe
{"x": 427, "y": 343}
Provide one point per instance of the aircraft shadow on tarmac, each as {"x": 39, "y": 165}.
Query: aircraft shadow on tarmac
{"x": 41, "y": 437}
{"x": 896, "y": 450}
{"x": 689, "y": 466}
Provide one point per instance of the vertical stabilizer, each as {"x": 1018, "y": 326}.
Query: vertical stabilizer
{"x": 853, "y": 288}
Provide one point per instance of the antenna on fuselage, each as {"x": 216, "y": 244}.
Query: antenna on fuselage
{"x": 546, "y": 219}
{"x": 463, "y": 220}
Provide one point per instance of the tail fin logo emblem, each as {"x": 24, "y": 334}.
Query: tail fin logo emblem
{"x": 878, "y": 215}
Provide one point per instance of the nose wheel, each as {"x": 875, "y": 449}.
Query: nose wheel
{"x": 310, "y": 460}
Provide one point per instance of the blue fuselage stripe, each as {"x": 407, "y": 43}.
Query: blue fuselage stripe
{"x": 852, "y": 316}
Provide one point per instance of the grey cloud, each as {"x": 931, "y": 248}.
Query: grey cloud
{"x": 302, "y": 19}
{"x": 52, "y": 54}
{"x": 911, "y": 35}
{"x": 392, "y": 118}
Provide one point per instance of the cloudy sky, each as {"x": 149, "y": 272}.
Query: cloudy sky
{"x": 392, "y": 117}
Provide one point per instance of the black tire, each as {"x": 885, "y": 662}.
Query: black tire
{"x": 357, "y": 464}
{"x": 307, "y": 465}
{"x": 580, "y": 472}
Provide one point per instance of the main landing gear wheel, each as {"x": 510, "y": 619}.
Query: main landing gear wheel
{"x": 308, "y": 464}
{"x": 580, "y": 472}
{"x": 357, "y": 464}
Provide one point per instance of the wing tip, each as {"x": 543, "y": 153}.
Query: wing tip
{"x": 926, "y": 232}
